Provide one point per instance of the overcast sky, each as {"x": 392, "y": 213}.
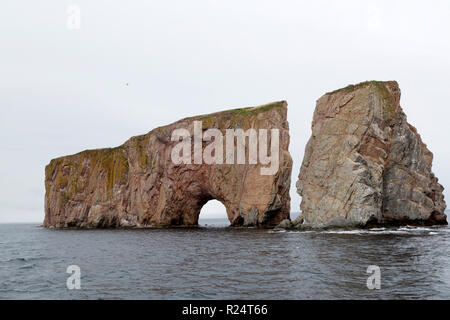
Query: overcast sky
{"x": 63, "y": 90}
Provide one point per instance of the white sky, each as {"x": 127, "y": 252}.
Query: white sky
{"x": 63, "y": 91}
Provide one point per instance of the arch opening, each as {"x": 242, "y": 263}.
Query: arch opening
{"x": 213, "y": 214}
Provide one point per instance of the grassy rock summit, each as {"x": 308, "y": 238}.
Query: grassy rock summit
{"x": 365, "y": 164}
{"x": 139, "y": 185}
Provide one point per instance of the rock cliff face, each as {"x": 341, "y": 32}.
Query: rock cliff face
{"x": 365, "y": 164}
{"x": 138, "y": 185}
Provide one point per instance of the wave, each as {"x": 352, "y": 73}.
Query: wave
{"x": 405, "y": 230}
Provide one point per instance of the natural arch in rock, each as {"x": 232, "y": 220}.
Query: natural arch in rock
{"x": 213, "y": 211}
{"x": 141, "y": 184}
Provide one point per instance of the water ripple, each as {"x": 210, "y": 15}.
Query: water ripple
{"x": 222, "y": 263}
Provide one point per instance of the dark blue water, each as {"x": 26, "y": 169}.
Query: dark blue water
{"x": 220, "y": 263}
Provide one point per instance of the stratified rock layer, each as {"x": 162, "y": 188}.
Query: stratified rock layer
{"x": 137, "y": 184}
{"x": 364, "y": 163}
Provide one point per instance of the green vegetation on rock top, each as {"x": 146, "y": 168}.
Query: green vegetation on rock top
{"x": 352, "y": 87}
{"x": 381, "y": 88}
{"x": 241, "y": 111}
{"x": 253, "y": 110}
{"x": 112, "y": 161}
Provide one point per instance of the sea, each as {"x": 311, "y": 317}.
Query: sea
{"x": 214, "y": 261}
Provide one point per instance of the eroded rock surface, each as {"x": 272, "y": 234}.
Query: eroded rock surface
{"x": 137, "y": 184}
{"x": 364, "y": 163}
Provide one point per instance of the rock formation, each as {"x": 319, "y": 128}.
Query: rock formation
{"x": 365, "y": 164}
{"x": 138, "y": 185}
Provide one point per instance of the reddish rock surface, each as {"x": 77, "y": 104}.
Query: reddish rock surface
{"x": 364, "y": 163}
{"x": 137, "y": 184}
